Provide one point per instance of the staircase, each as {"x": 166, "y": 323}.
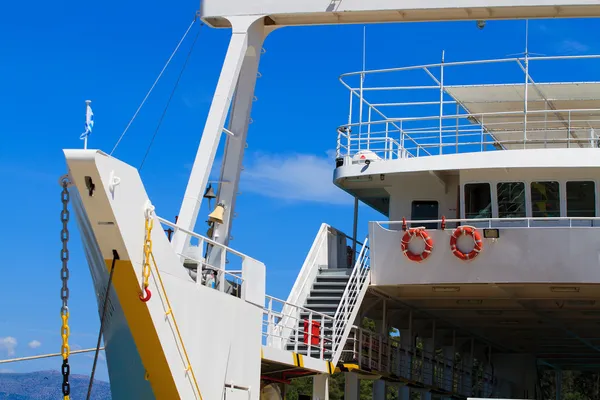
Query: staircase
{"x": 333, "y": 302}
{"x": 324, "y": 298}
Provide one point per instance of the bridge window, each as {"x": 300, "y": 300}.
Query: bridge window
{"x": 511, "y": 200}
{"x": 581, "y": 199}
{"x": 545, "y": 199}
{"x": 425, "y": 210}
{"x": 478, "y": 200}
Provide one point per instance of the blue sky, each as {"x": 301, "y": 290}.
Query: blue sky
{"x": 62, "y": 53}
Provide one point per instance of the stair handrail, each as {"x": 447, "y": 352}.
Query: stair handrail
{"x": 349, "y": 302}
{"x": 304, "y": 279}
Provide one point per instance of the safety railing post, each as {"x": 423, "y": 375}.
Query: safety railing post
{"x": 298, "y": 325}
{"x": 322, "y": 338}
{"x": 221, "y": 273}
{"x": 310, "y": 325}
{"x": 569, "y": 131}
{"x": 270, "y": 323}
{"x": 360, "y": 342}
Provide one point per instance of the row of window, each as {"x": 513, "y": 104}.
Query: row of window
{"x": 545, "y": 199}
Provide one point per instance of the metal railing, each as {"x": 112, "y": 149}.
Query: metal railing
{"x": 219, "y": 277}
{"x": 505, "y": 223}
{"x": 311, "y": 332}
{"x": 350, "y": 301}
{"x": 386, "y": 122}
{"x": 384, "y": 353}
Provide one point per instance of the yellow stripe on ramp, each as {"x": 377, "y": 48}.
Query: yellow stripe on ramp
{"x": 142, "y": 329}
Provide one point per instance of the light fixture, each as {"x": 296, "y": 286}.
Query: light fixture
{"x": 446, "y": 289}
{"x": 491, "y": 233}
{"x": 481, "y": 23}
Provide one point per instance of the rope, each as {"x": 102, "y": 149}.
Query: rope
{"x": 170, "y": 98}
{"x": 110, "y": 277}
{"x": 152, "y": 87}
{"x": 29, "y": 358}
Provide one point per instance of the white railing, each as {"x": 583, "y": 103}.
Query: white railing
{"x": 351, "y": 301}
{"x": 311, "y": 332}
{"x": 383, "y": 353}
{"x": 505, "y": 223}
{"x": 427, "y": 117}
{"x": 227, "y": 276}
{"x": 419, "y": 137}
{"x": 306, "y": 277}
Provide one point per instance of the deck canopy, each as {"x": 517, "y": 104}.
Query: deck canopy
{"x": 316, "y": 12}
{"x": 558, "y": 114}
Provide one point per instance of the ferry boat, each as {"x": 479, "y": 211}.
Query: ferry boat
{"x": 487, "y": 267}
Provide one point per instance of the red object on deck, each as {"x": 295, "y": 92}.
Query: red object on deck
{"x": 315, "y": 331}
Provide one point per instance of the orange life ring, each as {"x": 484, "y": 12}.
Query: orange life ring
{"x": 421, "y": 232}
{"x": 466, "y": 230}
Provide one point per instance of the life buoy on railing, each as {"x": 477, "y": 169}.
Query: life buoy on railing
{"x": 478, "y": 243}
{"x": 409, "y": 235}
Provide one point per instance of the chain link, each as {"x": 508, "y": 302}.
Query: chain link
{"x": 64, "y": 293}
{"x": 147, "y": 254}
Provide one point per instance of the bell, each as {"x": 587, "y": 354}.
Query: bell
{"x": 209, "y": 193}
{"x": 217, "y": 214}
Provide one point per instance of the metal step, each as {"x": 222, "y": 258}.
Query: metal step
{"x": 332, "y": 278}
{"x": 331, "y": 301}
{"x": 329, "y": 285}
{"x": 323, "y": 270}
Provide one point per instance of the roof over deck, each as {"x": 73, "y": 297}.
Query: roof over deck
{"x": 555, "y": 114}
{"x": 315, "y": 12}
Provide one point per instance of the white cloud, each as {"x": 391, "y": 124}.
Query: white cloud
{"x": 294, "y": 177}
{"x": 572, "y": 46}
{"x": 34, "y": 344}
{"x": 8, "y": 344}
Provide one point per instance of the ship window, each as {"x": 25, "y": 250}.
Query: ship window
{"x": 425, "y": 210}
{"x": 511, "y": 200}
{"x": 581, "y": 199}
{"x": 478, "y": 200}
{"x": 545, "y": 199}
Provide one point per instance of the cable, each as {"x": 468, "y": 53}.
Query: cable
{"x": 152, "y": 87}
{"x": 170, "y": 98}
{"x": 12, "y": 360}
{"x": 112, "y": 270}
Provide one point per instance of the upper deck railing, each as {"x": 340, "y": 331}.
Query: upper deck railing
{"x": 458, "y": 113}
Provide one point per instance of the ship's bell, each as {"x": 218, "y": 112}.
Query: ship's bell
{"x": 217, "y": 214}
{"x": 209, "y": 193}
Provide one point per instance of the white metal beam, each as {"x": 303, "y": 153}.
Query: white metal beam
{"x": 316, "y": 12}
{"x": 248, "y": 34}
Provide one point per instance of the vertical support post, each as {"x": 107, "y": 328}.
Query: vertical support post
{"x": 354, "y": 231}
{"x": 369, "y": 130}
{"x": 457, "y": 122}
{"x": 320, "y": 387}
{"x": 526, "y": 83}
{"x": 441, "y": 101}
{"x": 238, "y": 74}
{"x": 351, "y": 386}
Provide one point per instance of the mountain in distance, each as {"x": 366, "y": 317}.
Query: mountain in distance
{"x": 46, "y": 385}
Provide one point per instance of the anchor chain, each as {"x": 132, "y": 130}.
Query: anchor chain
{"x": 64, "y": 294}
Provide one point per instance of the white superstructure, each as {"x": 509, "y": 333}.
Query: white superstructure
{"x": 189, "y": 317}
